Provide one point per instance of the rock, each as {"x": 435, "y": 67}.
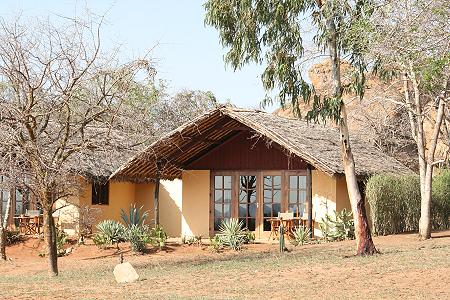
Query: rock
{"x": 69, "y": 250}
{"x": 125, "y": 273}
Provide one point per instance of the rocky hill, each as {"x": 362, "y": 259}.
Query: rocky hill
{"x": 376, "y": 117}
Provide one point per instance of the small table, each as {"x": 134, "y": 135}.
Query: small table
{"x": 30, "y": 225}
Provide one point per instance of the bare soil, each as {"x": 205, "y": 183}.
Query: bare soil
{"x": 406, "y": 268}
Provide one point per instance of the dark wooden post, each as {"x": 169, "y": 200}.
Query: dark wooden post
{"x": 309, "y": 199}
{"x": 156, "y": 200}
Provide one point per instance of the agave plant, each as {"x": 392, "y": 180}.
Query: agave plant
{"x": 232, "y": 233}
{"x": 109, "y": 232}
{"x": 135, "y": 217}
{"x": 301, "y": 235}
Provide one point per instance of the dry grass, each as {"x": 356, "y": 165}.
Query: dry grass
{"x": 407, "y": 268}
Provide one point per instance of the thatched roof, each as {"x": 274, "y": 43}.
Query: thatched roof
{"x": 316, "y": 144}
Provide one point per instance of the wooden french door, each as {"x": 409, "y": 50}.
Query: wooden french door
{"x": 254, "y": 197}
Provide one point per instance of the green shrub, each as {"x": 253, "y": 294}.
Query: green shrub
{"x": 61, "y": 239}
{"x": 249, "y": 237}
{"x": 13, "y": 237}
{"x": 135, "y": 216}
{"x": 158, "y": 237}
{"x": 343, "y": 225}
{"x": 338, "y": 227}
{"x": 300, "y": 235}
{"x": 109, "y": 232}
{"x": 395, "y": 202}
{"x": 139, "y": 237}
{"x": 232, "y": 234}
{"x": 215, "y": 243}
{"x": 440, "y": 205}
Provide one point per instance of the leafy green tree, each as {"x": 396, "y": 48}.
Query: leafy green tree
{"x": 270, "y": 32}
{"x": 409, "y": 43}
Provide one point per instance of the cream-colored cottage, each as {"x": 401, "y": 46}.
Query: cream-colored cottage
{"x": 236, "y": 163}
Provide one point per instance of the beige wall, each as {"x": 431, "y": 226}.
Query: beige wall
{"x": 328, "y": 194}
{"x": 144, "y": 196}
{"x": 195, "y": 207}
{"x": 342, "y": 199}
{"x": 122, "y": 195}
{"x": 323, "y": 194}
{"x": 170, "y": 206}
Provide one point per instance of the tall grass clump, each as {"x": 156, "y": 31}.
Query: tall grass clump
{"x": 395, "y": 202}
{"x": 440, "y": 203}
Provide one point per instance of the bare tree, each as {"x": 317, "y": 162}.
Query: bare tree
{"x": 410, "y": 42}
{"x": 61, "y": 101}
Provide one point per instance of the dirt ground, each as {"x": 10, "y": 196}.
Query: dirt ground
{"x": 406, "y": 268}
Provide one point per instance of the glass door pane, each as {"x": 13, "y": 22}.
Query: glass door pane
{"x": 272, "y": 199}
{"x": 247, "y": 201}
{"x": 222, "y": 200}
{"x": 297, "y": 195}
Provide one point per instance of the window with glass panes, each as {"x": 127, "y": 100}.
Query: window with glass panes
{"x": 22, "y": 203}
{"x": 247, "y": 201}
{"x": 222, "y": 199}
{"x": 272, "y": 199}
{"x": 297, "y": 195}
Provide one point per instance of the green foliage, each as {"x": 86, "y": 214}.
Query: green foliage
{"x": 158, "y": 237}
{"x": 301, "y": 236}
{"x": 61, "y": 240}
{"x": 135, "y": 217}
{"x": 232, "y": 233}
{"x": 325, "y": 227}
{"x": 343, "y": 226}
{"x": 338, "y": 227}
{"x": 192, "y": 240}
{"x": 139, "y": 237}
{"x": 395, "y": 202}
{"x": 440, "y": 203}
{"x": 215, "y": 243}
{"x": 109, "y": 232}
{"x": 271, "y": 32}
{"x": 249, "y": 237}
{"x": 13, "y": 237}
{"x": 433, "y": 71}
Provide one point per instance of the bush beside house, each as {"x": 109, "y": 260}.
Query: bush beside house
{"x": 395, "y": 202}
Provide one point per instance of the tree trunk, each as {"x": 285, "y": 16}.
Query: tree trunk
{"x": 364, "y": 242}
{"x": 2, "y": 243}
{"x": 3, "y": 226}
{"x": 50, "y": 241}
{"x": 425, "y": 204}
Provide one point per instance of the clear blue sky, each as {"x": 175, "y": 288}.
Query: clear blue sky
{"x": 187, "y": 54}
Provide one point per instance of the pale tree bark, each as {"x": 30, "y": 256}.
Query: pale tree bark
{"x": 364, "y": 242}
{"x": 425, "y": 205}
{"x": 2, "y": 240}
{"x": 420, "y": 138}
{"x": 3, "y": 225}
{"x": 426, "y": 157}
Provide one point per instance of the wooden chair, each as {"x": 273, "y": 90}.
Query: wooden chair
{"x": 287, "y": 218}
{"x": 34, "y": 222}
{"x": 23, "y": 224}
{"x": 274, "y": 227}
